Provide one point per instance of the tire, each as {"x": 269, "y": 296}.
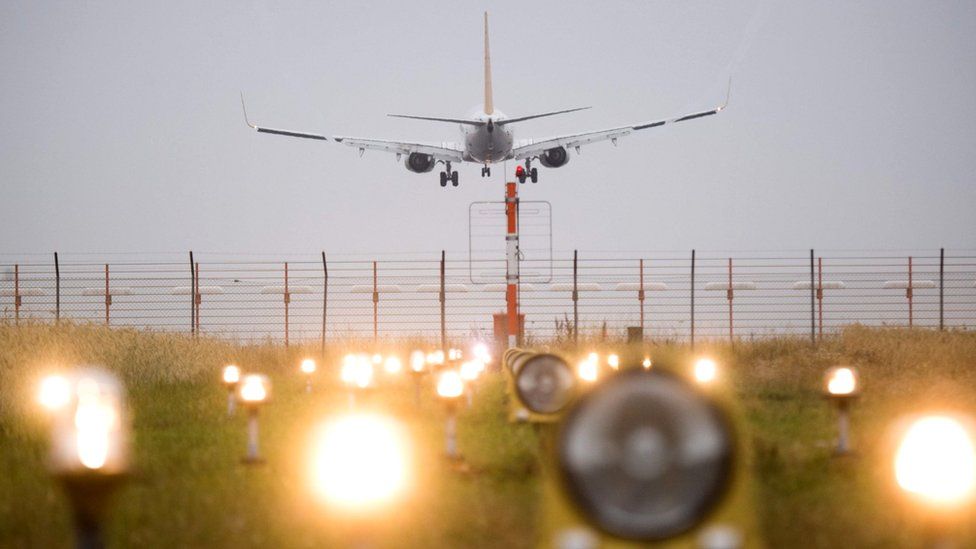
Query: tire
{"x": 443, "y": 179}
{"x": 534, "y": 175}
{"x": 454, "y": 179}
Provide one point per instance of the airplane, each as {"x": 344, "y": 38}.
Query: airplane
{"x": 487, "y": 138}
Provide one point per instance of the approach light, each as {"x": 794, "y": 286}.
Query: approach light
{"x": 377, "y": 359}
{"x": 231, "y": 377}
{"x": 55, "y": 392}
{"x": 89, "y": 433}
{"x": 594, "y": 358}
{"x": 450, "y": 385}
{"x": 89, "y": 451}
{"x": 645, "y": 456}
{"x": 646, "y": 363}
{"x": 308, "y": 366}
{"x": 840, "y": 382}
{"x": 613, "y": 361}
{"x": 418, "y": 361}
{"x": 544, "y": 383}
{"x": 480, "y": 352}
{"x": 706, "y": 370}
{"x": 436, "y": 358}
{"x": 361, "y": 462}
{"x": 392, "y": 365}
{"x": 936, "y": 461}
{"x": 470, "y": 370}
{"x": 254, "y": 390}
{"x": 454, "y": 354}
{"x": 588, "y": 371}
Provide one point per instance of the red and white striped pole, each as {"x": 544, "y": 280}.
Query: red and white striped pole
{"x": 511, "y": 262}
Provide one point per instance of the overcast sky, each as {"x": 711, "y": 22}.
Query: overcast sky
{"x": 852, "y": 125}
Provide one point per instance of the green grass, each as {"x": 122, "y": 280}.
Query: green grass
{"x": 189, "y": 488}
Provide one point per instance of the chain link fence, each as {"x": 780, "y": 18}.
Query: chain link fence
{"x": 670, "y": 296}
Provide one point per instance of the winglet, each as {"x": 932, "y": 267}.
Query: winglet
{"x": 489, "y": 105}
{"x": 243, "y": 108}
{"x": 728, "y": 95}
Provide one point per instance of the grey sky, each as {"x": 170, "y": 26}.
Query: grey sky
{"x": 852, "y": 125}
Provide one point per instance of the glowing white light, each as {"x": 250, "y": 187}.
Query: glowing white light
{"x": 841, "y": 381}
{"x": 308, "y": 366}
{"x": 55, "y": 392}
{"x": 705, "y": 370}
{"x": 361, "y": 375}
{"x": 646, "y": 363}
{"x": 418, "y": 361}
{"x": 593, "y": 357}
{"x": 348, "y": 371}
{"x": 471, "y": 369}
{"x": 232, "y": 374}
{"x": 95, "y": 421}
{"x": 613, "y": 361}
{"x": 450, "y": 384}
{"x": 437, "y": 357}
{"x": 377, "y": 359}
{"x": 936, "y": 461}
{"x": 480, "y": 352}
{"x": 87, "y": 431}
{"x": 392, "y": 365}
{"x": 360, "y": 462}
{"x": 588, "y": 370}
{"x": 254, "y": 388}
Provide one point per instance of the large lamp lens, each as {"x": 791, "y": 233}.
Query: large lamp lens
{"x": 545, "y": 384}
{"x": 646, "y": 456}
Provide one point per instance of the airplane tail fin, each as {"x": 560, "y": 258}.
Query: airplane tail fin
{"x": 489, "y": 106}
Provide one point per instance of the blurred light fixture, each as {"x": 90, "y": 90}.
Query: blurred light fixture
{"x": 392, "y": 365}
{"x": 231, "y": 377}
{"x": 254, "y": 391}
{"x": 706, "y": 370}
{"x": 646, "y": 363}
{"x": 935, "y": 461}
{"x": 308, "y": 368}
{"x": 377, "y": 359}
{"x": 480, "y": 352}
{"x": 55, "y": 392}
{"x": 361, "y": 462}
{"x": 418, "y": 361}
{"x": 613, "y": 361}
{"x": 645, "y": 456}
{"x": 544, "y": 383}
{"x": 841, "y": 387}
{"x": 588, "y": 371}
{"x": 450, "y": 388}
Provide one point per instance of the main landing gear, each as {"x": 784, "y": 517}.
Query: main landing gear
{"x": 453, "y": 177}
{"x": 527, "y": 172}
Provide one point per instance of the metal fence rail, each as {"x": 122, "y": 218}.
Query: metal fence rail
{"x": 736, "y": 295}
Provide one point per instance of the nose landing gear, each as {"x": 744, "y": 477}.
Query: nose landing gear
{"x": 486, "y": 171}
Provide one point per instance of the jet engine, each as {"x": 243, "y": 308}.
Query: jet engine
{"x": 420, "y": 163}
{"x": 555, "y": 157}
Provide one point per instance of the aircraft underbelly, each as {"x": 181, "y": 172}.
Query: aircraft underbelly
{"x": 485, "y": 146}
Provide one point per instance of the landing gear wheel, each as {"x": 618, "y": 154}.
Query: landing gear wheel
{"x": 443, "y": 179}
{"x": 521, "y": 178}
{"x": 488, "y": 171}
{"x": 534, "y": 175}
{"x": 454, "y": 179}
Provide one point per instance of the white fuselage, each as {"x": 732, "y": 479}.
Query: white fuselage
{"x": 488, "y": 143}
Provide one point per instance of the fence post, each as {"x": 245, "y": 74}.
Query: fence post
{"x": 941, "y": 289}
{"x": 820, "y": 295}
{"x": 287, "y": 299}
{"x": 813, "y": 292}
{"x": 640, "y": 298}
{"x": 197, "y": 296}
{"x": 57, "y": 289}
{"x": 442, "y": 297}
{"x": 575, "y": 300}
{"x": 693, "y": 300}
{"x": 193, "y": 304}
{"x": 908, "y": 292}
{"x": 108, "y": 296}
{"x": 325, "y": 300}
{"x": 729, "y": 295}
{"x": 17, "y": 294}
{"x": 376, "y": 302}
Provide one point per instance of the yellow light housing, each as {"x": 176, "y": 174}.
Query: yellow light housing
{"x": 361, "y": 462}
{"x": 308, "y": 366}
{"x": 935, "y": 461}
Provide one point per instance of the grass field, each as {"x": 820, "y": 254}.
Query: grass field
{"x": 189, "y": 488}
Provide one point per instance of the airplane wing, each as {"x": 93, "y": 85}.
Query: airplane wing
{"x": 447, "y": 152}
{"x": 289, "y": 133}
{"x": 536, "y": 148}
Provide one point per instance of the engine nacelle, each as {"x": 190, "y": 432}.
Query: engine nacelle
{"x": 419, "y": 162}
{"x": 554, "y": 158}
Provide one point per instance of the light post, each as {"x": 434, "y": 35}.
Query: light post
{"x": 231, "y": 377}
{"x": 255, "y": 390}
{"x": 841, "y": 387}
{"x": 450, "y": 388}
{"x": 418, "y": 367}
{"x": 308, "y": 368}
{"x": 89, "y": 453}
{"x": 469, "y": 371}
